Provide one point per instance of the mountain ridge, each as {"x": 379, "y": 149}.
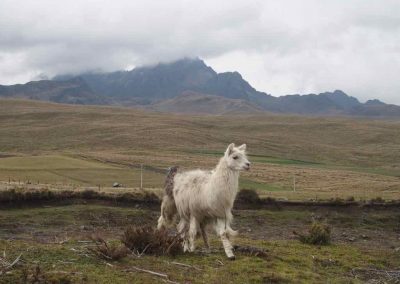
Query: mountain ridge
{"x": 159, "y": 87}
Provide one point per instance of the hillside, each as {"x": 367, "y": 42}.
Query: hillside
{"x": 71, "y": 91}
{"x": 195, "y": 103}
{"x": 28, "y": 126}
{"x": 328, "y": 156}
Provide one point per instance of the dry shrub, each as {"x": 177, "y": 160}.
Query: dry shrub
{"x": 319, "y": 234}
{"x": 146, "y": 239}
{"x": 248, "y": 196}
{"x": 107, "y": 251}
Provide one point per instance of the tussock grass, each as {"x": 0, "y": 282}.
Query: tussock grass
{"x": 248, "y": 196}
{"x": 147, "y": 240}
{"x": 319, "y": 234}
{"x": 107, "y": 250}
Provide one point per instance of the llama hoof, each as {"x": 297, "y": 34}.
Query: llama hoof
{"x": 232, "y": 257}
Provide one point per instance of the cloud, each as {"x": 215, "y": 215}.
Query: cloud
{"x": 280, "y": 47}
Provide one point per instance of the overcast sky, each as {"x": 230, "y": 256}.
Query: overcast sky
{"x": 280, "y": 47}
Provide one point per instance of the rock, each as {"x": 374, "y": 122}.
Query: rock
{"x": 116, "y": 184}
{"x": 365, "y": 237}
{"x": 351, "y": 239}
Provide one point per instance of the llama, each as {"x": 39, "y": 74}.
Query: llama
{"x": 202, "y": 198}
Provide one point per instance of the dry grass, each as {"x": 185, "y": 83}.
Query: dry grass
{"x": 319, "y": 234}
{"x": 107, "y": 250}
{"x": 147, "y": 240}
{"x": 91, "y": 146}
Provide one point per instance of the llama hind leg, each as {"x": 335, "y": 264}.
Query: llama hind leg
{"x": 204, "y": 235}
{"x": 221, "y": 229}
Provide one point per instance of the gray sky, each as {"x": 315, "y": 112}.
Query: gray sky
{"x": 280, "y": 47}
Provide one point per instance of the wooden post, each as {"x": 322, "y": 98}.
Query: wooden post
{"x": 294, "y": 183}
{"x": 141, "y": 176}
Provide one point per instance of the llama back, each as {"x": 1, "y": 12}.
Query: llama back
{"x": 168, "y": 207}
{"x": 169, "y": 181}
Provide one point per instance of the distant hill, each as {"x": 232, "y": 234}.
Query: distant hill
{"x": 189, "y": 86}
{"x": 196, "y": 103}
{"x": 71, "y": 91}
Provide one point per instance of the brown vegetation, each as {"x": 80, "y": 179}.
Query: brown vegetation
{"x": 147, "y": 240}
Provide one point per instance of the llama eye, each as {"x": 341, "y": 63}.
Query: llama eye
{"x": 235, "y": 157}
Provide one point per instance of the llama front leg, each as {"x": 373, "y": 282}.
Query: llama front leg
{"x": 194, "y": 224}
{"x": 222, "y": 233}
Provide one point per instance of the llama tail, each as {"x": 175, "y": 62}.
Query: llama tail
{"x": 168, "y": 207}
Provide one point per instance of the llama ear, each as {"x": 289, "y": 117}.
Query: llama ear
{"x": 229, "y": 150}
{"x": 242, "y": 147}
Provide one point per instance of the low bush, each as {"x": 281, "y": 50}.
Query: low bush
{"x": 248, "y": 196}
{"x": 107, "y": 251}
{"x": 146, "y": 239}
{"x": 319, "y": 234}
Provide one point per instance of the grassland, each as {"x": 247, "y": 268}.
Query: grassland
{"x": 56, "y": 239}
{"x": 65, "y": 147}
{"x": 91, "y": 146}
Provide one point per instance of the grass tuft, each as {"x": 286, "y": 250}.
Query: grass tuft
{"x": 319, "y": 234}
{"x": 248, "y": 196}
{"x": 107, "y": 251}
{"x": 147, "y": 240}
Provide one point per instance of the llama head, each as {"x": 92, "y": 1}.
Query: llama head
{"x": 236, "y": 157}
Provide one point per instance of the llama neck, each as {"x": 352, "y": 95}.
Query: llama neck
{"x": 225, "y": 180}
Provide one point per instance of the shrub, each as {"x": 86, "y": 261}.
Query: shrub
{"x": 319, "y": 234}
{"x": 145, "y": 239}
{"x": 248, "y": 196}
{"x": 107, "y": 251}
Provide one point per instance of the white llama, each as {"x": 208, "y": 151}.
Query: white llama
{"x": 204, "y": 197}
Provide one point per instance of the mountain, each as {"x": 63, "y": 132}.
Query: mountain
{"x": 71, "y": 91}
{"x": 147, "y": 85}
{"x": 189, "y": 86}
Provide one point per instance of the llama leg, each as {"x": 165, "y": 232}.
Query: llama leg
{"x": 192, "y": 233}
{"x": 204, "y": 235}
{"x": 182, "y": 230}
{"x": 229, "y": 231}
{"x": 222, "y": 233}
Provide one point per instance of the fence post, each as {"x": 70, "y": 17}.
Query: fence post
{"x": 141, "y": 176}
{"x": 294, "y": 183}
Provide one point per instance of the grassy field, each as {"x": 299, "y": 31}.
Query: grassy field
{"x": 66, "y": 147}
{"x": 56, "y": 239}
{"x": 92, "y": 146}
